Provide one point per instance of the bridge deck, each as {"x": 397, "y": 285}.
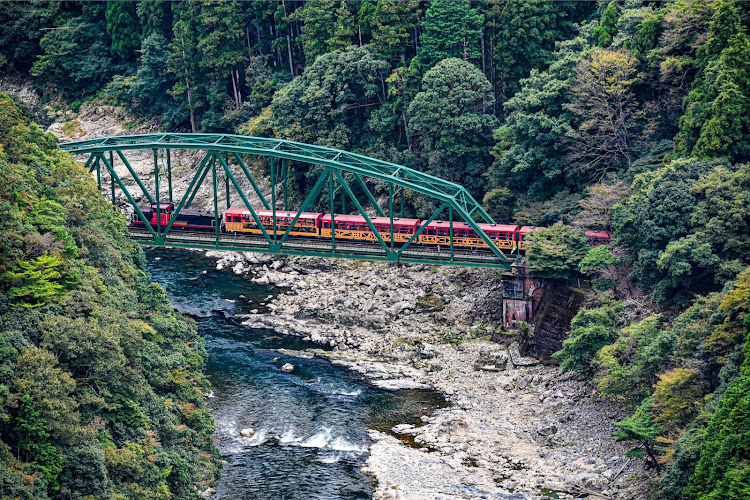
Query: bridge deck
{"x": 321, "y": 248}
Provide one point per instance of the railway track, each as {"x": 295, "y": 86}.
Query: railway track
{"x": 315, "y": 247}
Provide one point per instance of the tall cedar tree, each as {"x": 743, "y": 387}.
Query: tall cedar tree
{"x": 184, "y": 60}
{"x": 221, "y": 51}
{"x": 319, "y": 26}
{"x": 451, "y": 28}
{"x": 392, "y": 24}
{"x": 124, "y": 29}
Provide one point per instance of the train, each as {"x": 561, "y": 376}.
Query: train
{"x": 349, "y": 227}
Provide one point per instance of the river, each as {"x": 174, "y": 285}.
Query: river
{"x": 310, "y": 425}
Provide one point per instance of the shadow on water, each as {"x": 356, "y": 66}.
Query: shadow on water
{"x": 310, "y": 426}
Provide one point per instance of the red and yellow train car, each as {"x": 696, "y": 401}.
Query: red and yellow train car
{"x": 354, "y": 227}
{"x": 239, "y": 220}
{"x": 438, "y": 233}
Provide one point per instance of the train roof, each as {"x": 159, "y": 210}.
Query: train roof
{"x": 599, "y": 234}
{"x": 358, "y": 219}
{"x": 531, "y": 229}
{"x": 269, "y": 213}
{"x": 503, "y": 228}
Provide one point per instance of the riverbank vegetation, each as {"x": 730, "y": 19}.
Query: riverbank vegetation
{"x": 102, "y": 393}
{"x": 625, "y": 116}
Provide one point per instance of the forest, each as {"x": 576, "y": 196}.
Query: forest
{"x": 630, "y": 116}
{"x": 102, "y": 391}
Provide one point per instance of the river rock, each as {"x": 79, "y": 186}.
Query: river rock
{"x": 491, "y": 360}
{"x": 408, "y": 429}
{"x": 247, "y": 432}
{"x": 588, "y": 480}
{"x": 287, "y": 368}
{"x": 263, "y": 280}
{"x": 517, "y": 359}
{"x": 399, "y": 307}
{"x": 547, "y": 431}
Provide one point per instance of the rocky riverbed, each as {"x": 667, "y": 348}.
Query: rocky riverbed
{"x": 515, "y": 429}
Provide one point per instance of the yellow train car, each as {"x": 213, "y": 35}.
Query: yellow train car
{"x": 238, "y": 220}
{"x": 354, "y": 227}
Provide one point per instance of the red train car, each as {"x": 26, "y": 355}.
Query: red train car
{"x": 187, "y": 220}
{"x": 597, "y": 238}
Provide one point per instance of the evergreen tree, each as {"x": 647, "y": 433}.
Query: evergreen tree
{"x": 319, "y": 26}
{"x": 722, "y": 471}
{"x": 151, "y": 85}
{"x": 221, "y": 51}
{"x": 76, "y": 58}
{"x": 521, "y": 36}
{"x": 726, "y": 127}
{"x": 392, "y": 24}
{"x": 532, "y": 143}
{"x": 607, "y": 29}
{"x": 640, "y": 427}
{"x": 33, "y": 443}
{"x": 123, "y": 28}
{"x": 156, "y": 17}
{"x": 715, "y": 122}
{"x": 184, "y": 61}
{"x": 725, "y": 23}
{"x": 344, "y": 32}
{"x": 451, "y": 28}
{"x": 364, "y": 20}
{"x": 23, "y": 24}
{"x": 332, "y": 101}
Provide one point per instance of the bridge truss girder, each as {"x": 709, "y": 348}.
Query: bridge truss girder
{"x": 338, "y": 169}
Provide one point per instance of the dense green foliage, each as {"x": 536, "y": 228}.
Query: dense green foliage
{"x": 450, "y": 122}
{"x": 101, "y": 384}
{"x": 723, "y": 470}
{"x": 556, "y": 252}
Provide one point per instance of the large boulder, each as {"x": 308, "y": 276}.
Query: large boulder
{"x": 492, "y": 359}
{"x": 518, "y": 360}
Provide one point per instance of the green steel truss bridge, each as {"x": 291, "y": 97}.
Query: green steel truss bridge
{"x": 343, "y": 176}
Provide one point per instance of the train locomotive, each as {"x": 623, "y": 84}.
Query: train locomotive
{"x": 349, "y": 227}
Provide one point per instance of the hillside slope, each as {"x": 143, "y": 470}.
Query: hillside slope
{"x": 101, "y": 383}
